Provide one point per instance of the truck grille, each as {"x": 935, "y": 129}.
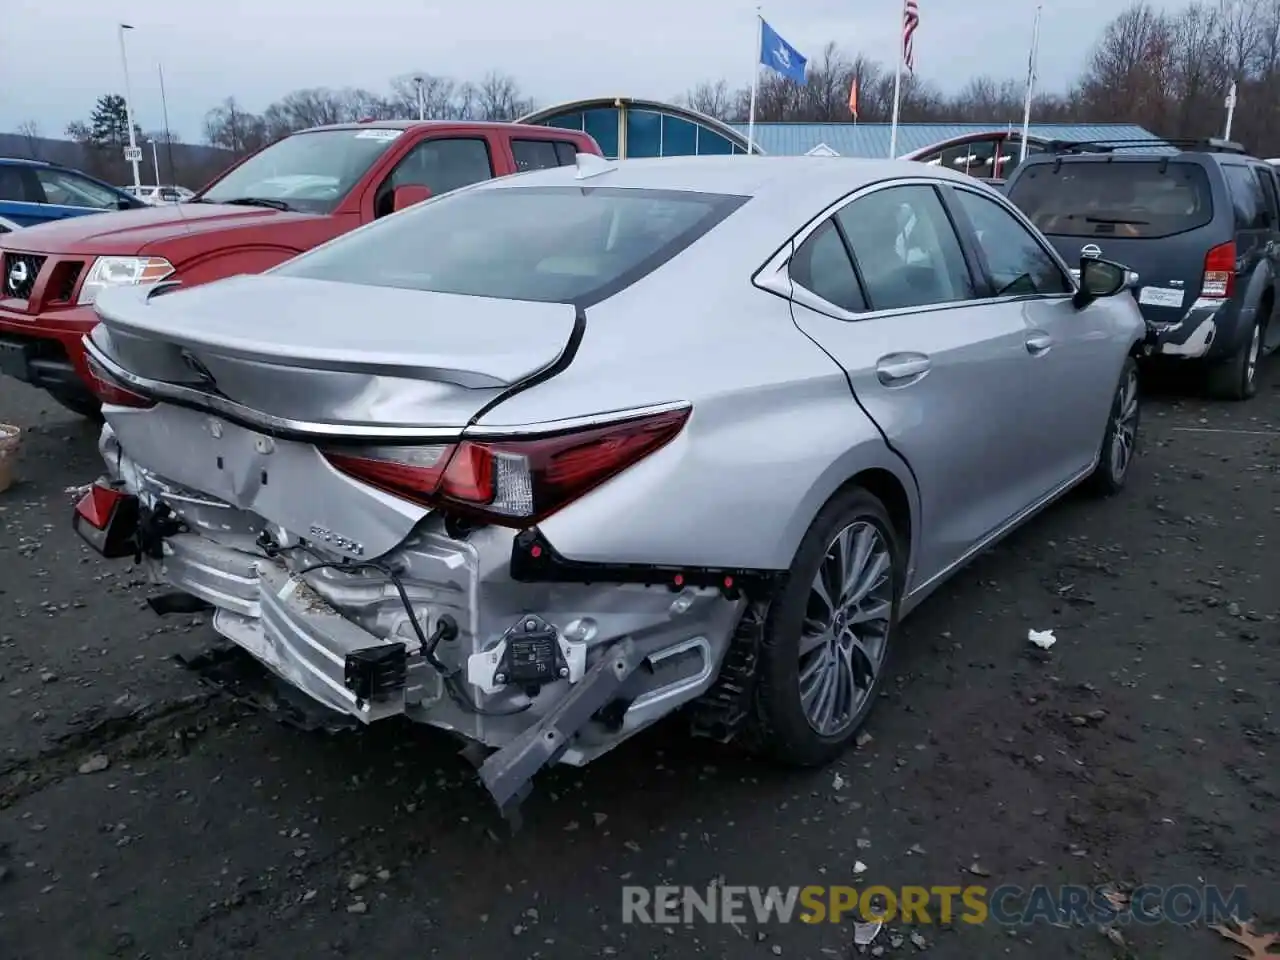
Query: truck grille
{"x": 18, "y": 278}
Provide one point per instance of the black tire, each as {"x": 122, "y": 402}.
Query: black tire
{"x": 1236, "y": 377}
{"x": 83, "y": 404}
{"x": 778, "y": 727}
{"x": 1116, "y": 459}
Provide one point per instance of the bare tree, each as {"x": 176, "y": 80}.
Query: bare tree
{"x": 29, "y": 130}
{"x": 713, "y": 99}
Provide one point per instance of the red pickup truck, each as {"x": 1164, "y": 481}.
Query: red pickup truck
{"x": 289, "y": 197}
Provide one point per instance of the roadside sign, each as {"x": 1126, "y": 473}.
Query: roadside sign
{"x": 132, "y": 153}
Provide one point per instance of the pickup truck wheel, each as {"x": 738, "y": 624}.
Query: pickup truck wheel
{"x": 83, "y": 404}
{"x": 828, "y": 634}
{"x": 1236, "y": 377}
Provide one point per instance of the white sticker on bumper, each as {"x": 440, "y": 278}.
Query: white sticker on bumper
{"x": 1161, "y": 297}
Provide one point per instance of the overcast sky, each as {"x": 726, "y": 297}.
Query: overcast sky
{"x": 58, "y": 56}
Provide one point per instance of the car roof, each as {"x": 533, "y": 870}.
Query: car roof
{"x": 29, "y": 162}
{"x": 808, "y": 181}
{"x": 433, "y": 125}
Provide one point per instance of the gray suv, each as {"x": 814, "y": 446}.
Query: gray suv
{"x": 1199, "y": 222}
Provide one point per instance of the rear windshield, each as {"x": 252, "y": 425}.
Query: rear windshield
{"x": 1122, "y": 198}
{"x": 553, "y": 244}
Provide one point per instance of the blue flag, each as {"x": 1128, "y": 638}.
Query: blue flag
{"x": 779, "y": 55}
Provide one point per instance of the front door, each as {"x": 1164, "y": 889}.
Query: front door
{"x": 1074, "y": 366}
{"x": 942, "y": 373}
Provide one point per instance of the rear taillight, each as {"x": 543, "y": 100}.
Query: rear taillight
{"x": 108, "y": 391}
{"x": 98, "y": 505}
{"x": 511, "y": 482}
{"x": 1219, "y": 272}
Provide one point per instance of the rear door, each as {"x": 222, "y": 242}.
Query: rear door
{"x": 1253, "y": 219}
{"x": 941, "y": 372}
{"x": 1153, "y": 214}
{"x": 540, "y": 153}
{"x": 21, "y": 199}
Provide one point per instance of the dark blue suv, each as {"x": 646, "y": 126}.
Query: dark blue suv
{"x": 1198, "y": 221}
{"x": 34, "y": 192}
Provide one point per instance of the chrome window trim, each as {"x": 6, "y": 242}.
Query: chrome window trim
{"x": 774, "y": 276}
{"x": 318, "y": 430}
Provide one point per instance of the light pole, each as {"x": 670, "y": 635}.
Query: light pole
{"x": 422, "y": 103}
{"x": 155, "y": 162}
{"x": 134, "y": 153}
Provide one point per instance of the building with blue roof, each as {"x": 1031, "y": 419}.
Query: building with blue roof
{"x": 631, "y": 127}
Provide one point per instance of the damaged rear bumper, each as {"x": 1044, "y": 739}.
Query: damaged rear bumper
{"x": 517, "y": 657}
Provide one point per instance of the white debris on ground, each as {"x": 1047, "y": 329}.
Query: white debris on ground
{"x": 1044, "y": 639}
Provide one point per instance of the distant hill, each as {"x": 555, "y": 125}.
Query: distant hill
{"x": 193, "y": 166}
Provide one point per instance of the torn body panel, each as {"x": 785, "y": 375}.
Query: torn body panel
{"x": 312, "y": 614}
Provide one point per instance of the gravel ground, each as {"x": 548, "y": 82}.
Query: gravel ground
{"x": 1138, "y": 750}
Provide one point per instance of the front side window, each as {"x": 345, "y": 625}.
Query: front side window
{"x": 1137, "y": 199}
{"x": 822, "y": 266}
{"x": 311, "y": 172}
{"x": 440, "y": 166}
{"x": 69, "y": 190}
{"x": 551, "y": 244}
{"x": 1016, "y": 260}
{"x": 906, "y": 249}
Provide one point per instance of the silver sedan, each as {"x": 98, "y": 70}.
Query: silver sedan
{"x": 542, "y": 460}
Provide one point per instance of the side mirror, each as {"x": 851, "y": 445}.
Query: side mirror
{"x": 409, "y": 194}
{"x": 1099, "y": 278}
{"x": 123, "y": 204}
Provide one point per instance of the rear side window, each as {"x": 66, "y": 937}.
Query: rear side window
{"x": 1117, "y": 198}
{"x": 540, "y": 154}
{"x": 553, "y": 244}
{"x": 822, "y": 266}
{"x": 1268, "y": 180}
{"x": 1246, "y": 196}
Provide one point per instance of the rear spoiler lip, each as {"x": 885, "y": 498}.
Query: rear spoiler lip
{"x": 312, "y": 431}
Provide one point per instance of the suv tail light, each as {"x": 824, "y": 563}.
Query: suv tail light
{"x": 108, "y": 391}
{"x": 514, "y": 483}
{"x": 1219, "y": 272}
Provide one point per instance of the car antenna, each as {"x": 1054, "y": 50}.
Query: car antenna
{"x": 590, "y": 165}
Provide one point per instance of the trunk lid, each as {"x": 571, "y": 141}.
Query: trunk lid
{"x": 321, "y": 352}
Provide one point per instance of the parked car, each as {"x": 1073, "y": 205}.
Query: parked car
{"x": 293, "y": 195}
{"x": 158, "y": 195}
{"x": 545, "y": 459}
{"x": 35, "y": 191}
{"x": 1200, "y": 224}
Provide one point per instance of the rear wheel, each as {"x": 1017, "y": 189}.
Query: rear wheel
{"x": 1120, "y": 440}
{"x": 1236, "y": 377}
{"x": 828, "y": 633}
{"x": 83, "y": 404}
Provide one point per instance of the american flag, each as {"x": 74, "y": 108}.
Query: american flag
{"x": 910, "y": 20}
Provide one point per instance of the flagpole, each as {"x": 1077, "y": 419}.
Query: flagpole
{"x": 755, "y": 84}
{"x": 897, "y": 86}
{"x": 1031, "y": 83}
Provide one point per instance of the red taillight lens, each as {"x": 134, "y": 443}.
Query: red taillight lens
{"x": 512, "y": 482}
{"x": 98, "y": 504}
{"x": 1219, "y": 272}
{"x": 108, "y": 391}
{"x": 410, "y": 472}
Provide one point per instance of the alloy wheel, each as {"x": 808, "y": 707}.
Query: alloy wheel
{"x": 1255, "y": 350}
{"x": 845, "y": 633}
{"x": 1124, "y": 436}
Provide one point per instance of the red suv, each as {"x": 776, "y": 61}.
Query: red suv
{"x": 287, "y": 198}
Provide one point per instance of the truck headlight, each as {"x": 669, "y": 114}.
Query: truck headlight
{"x": 122, "y": 271}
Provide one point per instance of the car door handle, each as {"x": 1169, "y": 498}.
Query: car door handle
{"x": 1038, "y": 343}
{"x": 897, "y": 369}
